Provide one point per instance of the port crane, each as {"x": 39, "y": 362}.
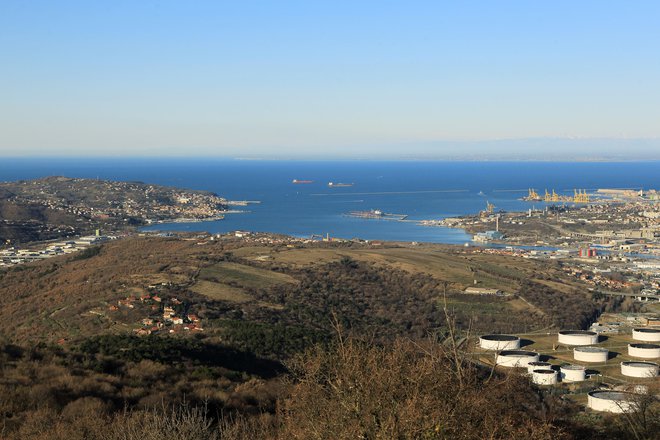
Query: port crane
{"x": 533, "y": 195}
{"x": 490, "y": 208}
{"x": 579, "y": 196}
{"x": 551, "y": 197}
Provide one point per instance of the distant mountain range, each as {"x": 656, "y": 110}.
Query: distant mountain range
{"x": 523, "y": 149}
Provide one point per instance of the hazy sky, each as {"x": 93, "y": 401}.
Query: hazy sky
{"x": 246, "y": 77}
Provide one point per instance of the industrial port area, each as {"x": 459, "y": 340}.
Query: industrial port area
{"x": 608, "y": 219}
{"x": 609, "y": 239}
{"x": 609, "y": 369}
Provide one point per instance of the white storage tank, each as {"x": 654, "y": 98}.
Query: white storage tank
{"x": 573, "y": 373}
{"x": 590, "y": 354}
{"x": 537, "y": 366}
{"x": 499, "y": 342}
{"x": 646, "y": 351}
{"x": 577, "y": 337}
{"x": 639, "y": 369}
{"x": 646, "y": 334}
{"x": 516, "y": 358}
{"x": 611, "y": 401}
{"x": 544, "y": 376}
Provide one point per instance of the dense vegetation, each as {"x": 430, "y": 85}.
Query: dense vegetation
{"x": 353, "y": 389}
{"x": 268, "y": 363}
{"x": 25, "y": 222}
{"x": 111, "y": 374}
{"x": 566, "y": 311}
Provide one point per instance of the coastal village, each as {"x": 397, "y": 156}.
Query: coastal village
{"x": 88, "y": 204}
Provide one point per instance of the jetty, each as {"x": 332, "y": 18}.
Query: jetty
{"x": 377, "y": 214}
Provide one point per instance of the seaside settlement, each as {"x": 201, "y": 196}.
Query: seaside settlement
{"x": 54, "y": 208}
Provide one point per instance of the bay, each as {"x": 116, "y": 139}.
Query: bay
{"x": 420, "y": 189}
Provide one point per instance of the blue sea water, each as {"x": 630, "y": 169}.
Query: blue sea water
{"x": 422, "y": 190}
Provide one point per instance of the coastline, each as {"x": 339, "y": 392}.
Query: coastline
{"x": 187, "y": 220}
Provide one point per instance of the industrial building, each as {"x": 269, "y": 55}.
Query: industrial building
{"x": 611, "y": 401}
{"x": 499, "y": 342}
{"x": 572, "y": 373}
{"x": 482, "y": 291}
{"x": 577, "y": 337}
{"x": 639, "y": 369}
{"x": 591, "y": 354}
{"x": 646, "y": 334}
{"x": 544, "y": 376}
{"x": 516, "y": 358}
{"x": 645, "y": 351}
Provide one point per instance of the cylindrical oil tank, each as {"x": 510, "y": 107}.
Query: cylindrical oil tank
{"x": 573, "y": 373}
{"x": 646, "y": 351}
{"x": 538, "y": 366}
{"x": 499, "y": 342}
{"x": 577, "y": 337}
{"x": 590, "y": 354}
{"x": 646, "y": 334}
{"x": 639, "y": 369}
{"x": 544, "y": 376}
{"x": 516, "y": 358}
{"x": 610, "y": 401}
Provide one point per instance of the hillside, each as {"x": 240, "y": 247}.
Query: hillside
{"x": 269, "y": 337}
{"x": 236, "y": 290}
{"x": 29, "y": 222}
{"x": 56, "y": 207}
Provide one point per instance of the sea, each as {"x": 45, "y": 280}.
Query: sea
{"x": 421, "y": 190}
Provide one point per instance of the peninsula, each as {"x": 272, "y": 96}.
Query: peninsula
{"x": 59, "y": 207}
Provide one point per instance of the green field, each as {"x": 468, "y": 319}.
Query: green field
{"x": 240, "y": 275}
{"x": 220, "y": 292}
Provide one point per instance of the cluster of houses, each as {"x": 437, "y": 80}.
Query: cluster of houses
{"x": 165, "y": 315}
{"x": 263, "y": 238}
{"x": 122, "y": 199}
{"x": 644, "y": 276}
{"x": 598, "y": 278}
{"x": 594, "y": 270}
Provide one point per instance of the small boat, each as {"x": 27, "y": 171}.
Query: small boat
{"x": 481, "y": 193}
{"x": 339, "y": 185}
{"x": 298, "y": 181}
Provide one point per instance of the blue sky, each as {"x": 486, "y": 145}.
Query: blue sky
{"x": 294, "y": 78}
